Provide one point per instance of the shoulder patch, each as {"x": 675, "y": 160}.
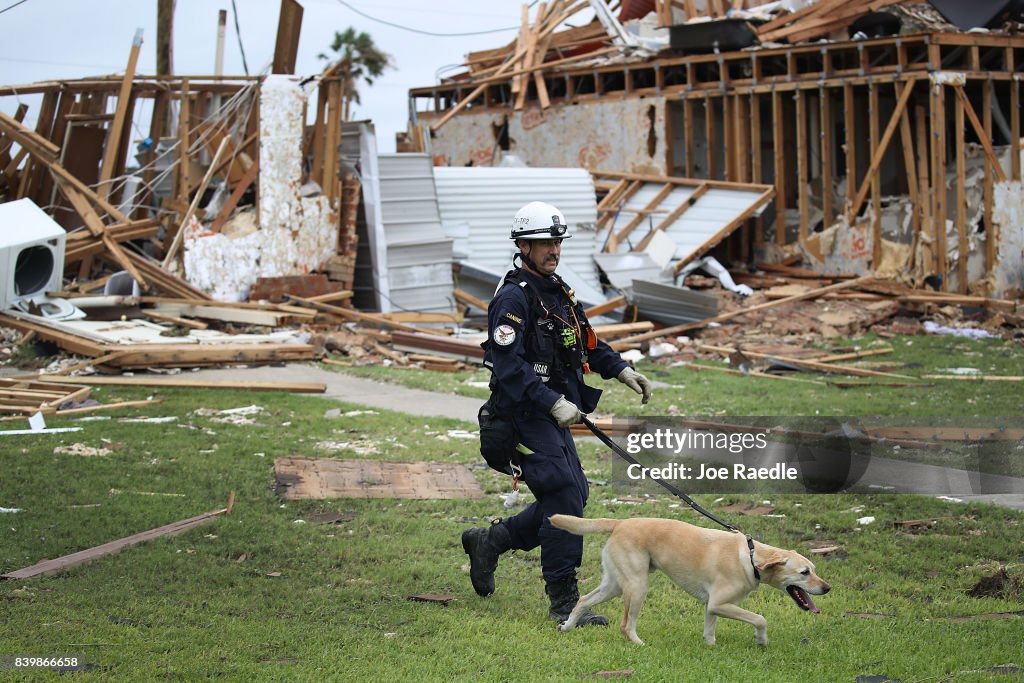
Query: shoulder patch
{"x": 504, "y": 335}
{"x": 514, "y": 318}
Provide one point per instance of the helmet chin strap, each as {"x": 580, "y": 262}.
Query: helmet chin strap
{"x": 525, "y": 258}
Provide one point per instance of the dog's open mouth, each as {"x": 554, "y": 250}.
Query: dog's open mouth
{"x": 802, "y": 599}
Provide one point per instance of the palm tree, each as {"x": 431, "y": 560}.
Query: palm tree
{"x": 357, "y": 57}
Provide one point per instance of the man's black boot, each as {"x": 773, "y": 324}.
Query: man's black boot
{"x": 564, "y": 595}
{"x": 483, "y": 547}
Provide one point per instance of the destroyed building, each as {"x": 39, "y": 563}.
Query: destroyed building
{"x": 138, "y": 207}
{"x": 889, "y": 130}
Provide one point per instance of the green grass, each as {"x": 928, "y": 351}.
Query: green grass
{"x": 258, "y": 596}
{"x": 713, "y": 393}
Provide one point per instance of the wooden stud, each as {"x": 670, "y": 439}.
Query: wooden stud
{"x": 1015, "y": 126}
{"x": 332, "y": 138}
{"x": 880, "y": 147}
{"x": 114, "y": 150}
{"x": 728, "y": 137}
{"x": 923, "y": 187}
{"x": 779, "y": 149}
{"x": 803, "y": 201}
{"x": 711, "y": 137}
{"x": 742, "y": 142}
{"x": 825, "y": 125}
{"x": 756, "y": 161}
{"x": 961, "y": 195}
{"x": 938, "y": 181}
{"x": 688, "y": 134}
{"x": 909, "y": 166}
{"x": 236, "y": 196}
{"x": 987, "y": 191}
{"x": 183, "y": 182}
{"x": 850, "y": 119}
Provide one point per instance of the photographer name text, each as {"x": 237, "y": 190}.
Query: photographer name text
{"x": 737, "y": 472}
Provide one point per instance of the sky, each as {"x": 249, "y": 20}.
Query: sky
{"x": 67, "y": 39}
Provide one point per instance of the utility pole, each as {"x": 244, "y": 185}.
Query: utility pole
{"x": 164, "y": 37}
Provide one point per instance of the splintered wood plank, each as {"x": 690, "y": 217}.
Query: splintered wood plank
{"x": 320, "y": 478}
{"x": 47, "y": 567}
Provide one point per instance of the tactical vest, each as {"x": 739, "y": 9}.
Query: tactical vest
{"x": 552, "y": 347}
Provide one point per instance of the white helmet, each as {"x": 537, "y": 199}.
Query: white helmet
{"x": 539, "y": 221}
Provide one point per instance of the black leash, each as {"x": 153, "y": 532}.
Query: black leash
{"x": 607, "y": 441}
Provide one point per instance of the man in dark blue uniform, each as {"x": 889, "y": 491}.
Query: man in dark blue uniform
{"x": 539, "y": 346}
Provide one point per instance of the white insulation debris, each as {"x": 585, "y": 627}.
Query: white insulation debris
{"x": 295, "y": 234}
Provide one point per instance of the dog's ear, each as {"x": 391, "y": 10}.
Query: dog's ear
{"x": 771, "y": 562}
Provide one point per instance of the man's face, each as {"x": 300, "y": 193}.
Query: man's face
{"x": 545, "y": 254}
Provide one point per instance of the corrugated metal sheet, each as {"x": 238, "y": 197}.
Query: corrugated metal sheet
{"x": 359, "y": 150}
{"x": 487, "y": 198}
{"x": 419, "y": 256}
{"x": 672, "y": 305}
{"x": 404, "y": 259}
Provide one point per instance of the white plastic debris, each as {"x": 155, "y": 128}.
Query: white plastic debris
{"x": 632, "y": 355}
{"x": 662, "y": 349}
{"x": 865, "y": 520}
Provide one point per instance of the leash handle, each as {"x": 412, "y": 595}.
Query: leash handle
{"x": 607, "y": 441}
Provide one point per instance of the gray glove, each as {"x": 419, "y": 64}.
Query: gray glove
{"x": 565, "y": 412}
{"x": 637, "y": 382}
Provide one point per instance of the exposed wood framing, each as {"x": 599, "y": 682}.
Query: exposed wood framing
{"x": 961, "y": 196}
{"x": 779, "y": 151}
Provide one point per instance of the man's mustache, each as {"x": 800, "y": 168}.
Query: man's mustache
{"x": 551, "y": 257}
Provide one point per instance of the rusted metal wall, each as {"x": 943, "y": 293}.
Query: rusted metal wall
{"x": 623, "y": 135}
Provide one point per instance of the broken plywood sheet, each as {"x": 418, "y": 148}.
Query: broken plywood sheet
{"x": 320, "y": 478}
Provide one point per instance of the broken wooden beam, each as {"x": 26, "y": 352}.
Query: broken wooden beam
{"x": 805, "y": 363}
{"x": 467, "y": 351}
{"x": 358, "y": 316}
{"x": 55, "y": 566}
{"x": 185, "y": 383}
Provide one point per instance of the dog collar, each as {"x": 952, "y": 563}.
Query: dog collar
{"x": 750, "y": 546}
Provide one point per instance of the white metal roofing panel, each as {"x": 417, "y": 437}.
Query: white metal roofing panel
{"x": 487, "y": 198}
{"x": 711, "y": 212}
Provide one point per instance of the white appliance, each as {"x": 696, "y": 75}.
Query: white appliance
{"x": 32, "y": 261}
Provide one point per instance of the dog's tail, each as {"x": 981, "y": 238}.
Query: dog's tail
{"x": 580, "y": 526}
